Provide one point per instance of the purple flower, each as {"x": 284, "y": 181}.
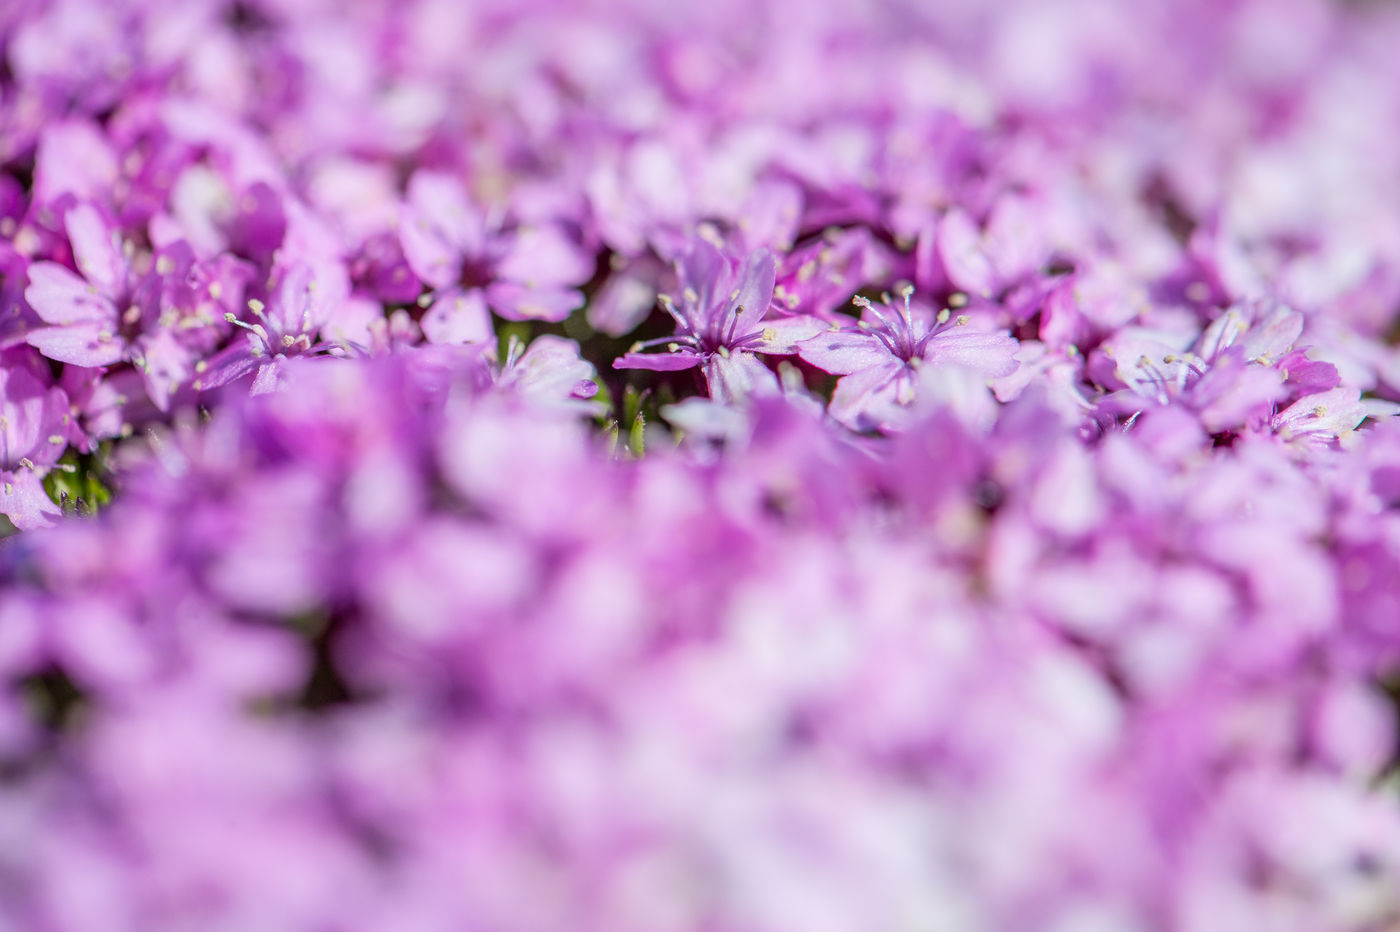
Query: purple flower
{"x": 474, "y": 262}
{"x": 33, "y": 434}
{"x": 308, "y": 295}
{"x": 721, "y": 323}
{"x": 93, "y": 319}
{"x": 879, "y": 360}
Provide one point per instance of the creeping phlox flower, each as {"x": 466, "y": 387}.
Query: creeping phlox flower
{"x": 722, "y": 322}
{"x": 296, "y": 620}
{"x": 33, "y": 434}
{"x": 473, "y": 263}
{"x": 512, "y": 514}
{"x": 881, "y": 358}
{"x": 304, "y": 300}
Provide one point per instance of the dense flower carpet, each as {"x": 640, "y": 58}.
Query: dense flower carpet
{"x": 751, "y": 466}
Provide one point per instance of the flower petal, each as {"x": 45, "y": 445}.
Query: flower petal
{"x": 842, "y": 352}
{"x": 781, "y": 335}
{"x": 543, "y": 255}
{"x": 520, "y": 302}
{"x": 755, "y": 291}
{"x": 95, "y": 250}
{"x": 735, "y": 376}
{"x": 964, "y": 258}
{"x": 82, "y": 344}
{"x": 991, "y": 354}
{"x": 60, "y": 297}
{"x": 23, "y": 501}
{"x": 659, "y": 362}
{"x": 458, "y": 317}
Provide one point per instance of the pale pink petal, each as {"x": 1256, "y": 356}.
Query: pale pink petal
{"x": 82, "y": 344}
{"x": 991, "y": 354}
{"x": 24, "y": 502}
{"x": 543, "y": 255}
{"x": 736, "y": 376}
{"x": 859, "y": 396}
{"x": 782, "y": 334}
{"x": 842, "y": 352}
{"x": 433, "y": 259}
{"x": 518, "y": 302}
{"x": 96, "y": 251}
{"x": 660, "y": 362}
{"x": 959, "y": 246}
{"x": 60, "y": 297}
{"x": 458, "y": 317}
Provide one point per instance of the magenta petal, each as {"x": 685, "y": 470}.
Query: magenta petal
{"x": 842, "y": 352}
{"x": 270, "y": 377}
{"x": 1273, "y": 336}
{"x": 82, "y": 344}
{"x": 518, "y": 302}
{"x": 736, "y": 376}
{"x": 622, "y": 303}
{"x": 458, "y": 317}
{"x": 756, "y": 286}
{"x": 701, "y": 268}
{"x": 165, "y": 366}
{"x": 1325, "y": 415}
{"x": 95, "y": 250}
{"x": 74, "y": 157}
{"x": 431, "y": 257}
{"x": 959, "y": 246}
{"x": 23, "y": 501}
{"x": 22, "y": 398}
{"x": 861, "y": 395}
{"x": 991, "y": 354}
{"x": 440, "y": 200}
{"x": 781, "y": 335}
{"x": 60, "y": 297}
{"x": 660, "y": 362}
{"x": 772, "y": 214}
{"x": 543, "y": 255}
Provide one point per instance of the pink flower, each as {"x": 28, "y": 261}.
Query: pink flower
{"x": 879, "y": 360}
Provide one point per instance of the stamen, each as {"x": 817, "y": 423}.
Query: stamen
{"x": 734, "y": 323}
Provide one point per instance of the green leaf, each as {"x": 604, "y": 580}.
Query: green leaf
{"x": 636, "y": 437}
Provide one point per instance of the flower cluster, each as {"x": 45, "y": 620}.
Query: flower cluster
{"x": 768, "y": 466}
{"x": 404, "y": 646}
